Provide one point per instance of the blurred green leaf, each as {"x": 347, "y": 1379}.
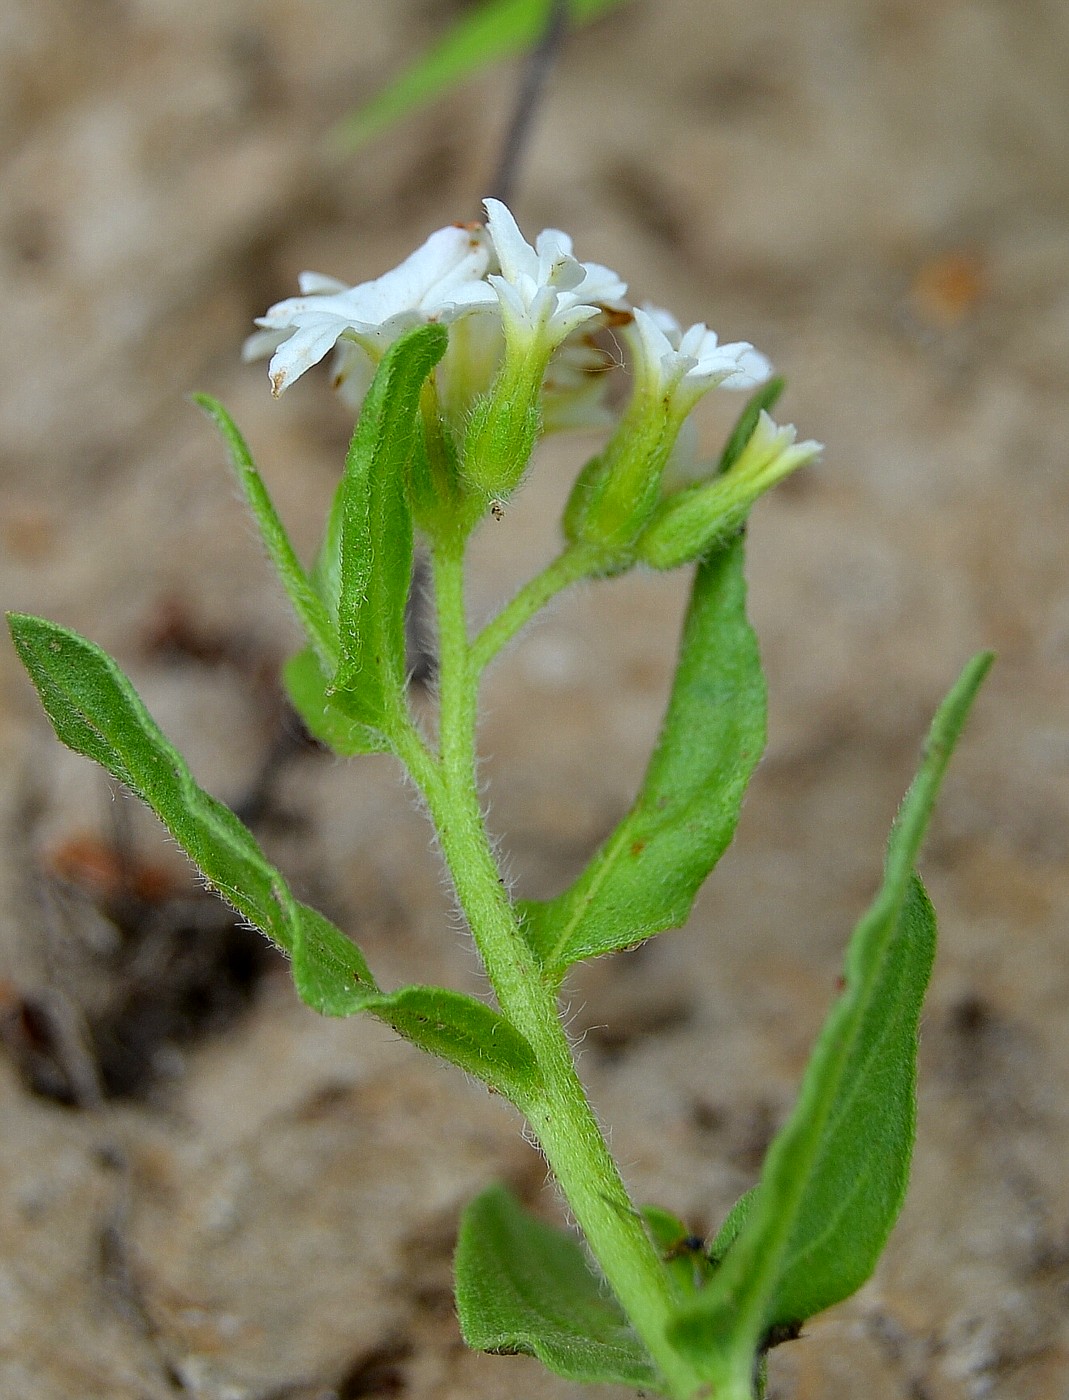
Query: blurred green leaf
{"x": 644, "y": 879}
{"x": 684, "y": 1253}
{"x": 307, "y": 687}
{"x": 498, "y": 30}
{"x": 836, "y": 1174}
{"x": 524, "y": 1286}
{"x": 375, "y": 539}
{"x": 733, "y": 1222}
{"x": 302, "y": 595}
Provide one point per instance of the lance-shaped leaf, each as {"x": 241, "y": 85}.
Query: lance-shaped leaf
{"x": 644, "y": 878}
{"x": 375, "y": 539}
{"x": 496, "y": 31}
{"x": 835, "y": 1176}
{"x": 524, "y": 1286}
{"x": 303, "y": 596}
{"x": 96, "y": 711}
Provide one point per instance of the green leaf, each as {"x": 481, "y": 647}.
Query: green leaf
{"x": 96, "y": 711}
{"x": 326, "y": 572}
{"x": 444, "y": 1023}
{"x": 376, "y": 532}
{"x": 304, "y": 598}
{"x": 644, "y": 879}
{"x": 307, "y": 687}
{"x": 835, "y": 1176}
{"x": 733, "y": 1222}
{"x": 765, "y": 398}
{"x": 496, "y": 31}
{"x": 466, "y": 1032}
{"x": 524, "y": 1286}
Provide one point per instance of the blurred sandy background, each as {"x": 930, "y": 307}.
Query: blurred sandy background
{"x": 876, "y": 192}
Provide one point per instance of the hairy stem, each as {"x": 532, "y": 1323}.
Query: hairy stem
{"x": 569, "y": 567}
{"x": 559, "y": 1112}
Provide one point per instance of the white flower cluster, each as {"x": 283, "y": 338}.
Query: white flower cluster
{"x": 500, "y": 296}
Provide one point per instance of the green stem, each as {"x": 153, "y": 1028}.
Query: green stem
{"x": 559, "y": 1113}
{"x": 574, "y": 563}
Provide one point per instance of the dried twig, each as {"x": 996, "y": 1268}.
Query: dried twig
{"x": 536, "y": 71}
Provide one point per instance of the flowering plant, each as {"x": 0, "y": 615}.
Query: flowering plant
{"x": 457, "y": 361}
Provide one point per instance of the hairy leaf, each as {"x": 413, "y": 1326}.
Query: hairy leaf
{"x": 498, "y": 30}
{"x": 96, "y": 711}
{"x": 835, "y": 1176}
{"x": 376, "y": 532}
{"x": 644, "y": 878}
{"x": 302, "y": 595}
{"x": 467, "y": 1033}
{"x": 524, "y": 1286}
{"x": 445, "y": 1023}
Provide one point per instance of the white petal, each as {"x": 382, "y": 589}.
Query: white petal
{"x": 449, "y": 258}
{"x": 699, "y": 341}
{"x": 752, "y": 368}
{"x": 304, "y": 348}
{"x": 513, "y": 307}
{"x": 318, "y": 283}
{"x": 514, "y": 253}
{"x": 652, "y": 333}
{"x": 664, "y": 321}
{"x": 261, "y": 344}
{"x": 566, "y": 319}
{"x": 600, "y": 284}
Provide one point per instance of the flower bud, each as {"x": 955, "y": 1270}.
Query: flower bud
{"x": 673, "y": 369}
{"x": 504, "y": 427}
{"x": 693, "y": 522}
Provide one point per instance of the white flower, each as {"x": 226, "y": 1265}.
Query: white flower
{"x": 683, "y": 365}
{"x": 545, "y": 292}
{"x": 440, "y": 281}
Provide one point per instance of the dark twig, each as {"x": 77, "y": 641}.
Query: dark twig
{"x": 422, "y": 661}
{"x": 539, "y": 63}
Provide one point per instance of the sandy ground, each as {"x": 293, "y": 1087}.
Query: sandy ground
{"x": 876, "y": 193}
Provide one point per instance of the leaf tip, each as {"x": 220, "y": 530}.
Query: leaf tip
{"x": 207, "y": 403}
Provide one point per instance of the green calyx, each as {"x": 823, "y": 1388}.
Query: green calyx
{"x": 617, "y": 494}
{"x": 504, "y": 426}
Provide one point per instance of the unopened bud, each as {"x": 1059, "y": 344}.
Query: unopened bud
{"x": 693, "y": 522}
